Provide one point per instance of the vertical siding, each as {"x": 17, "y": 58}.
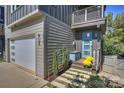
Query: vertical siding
{"x": 58, "y": 35}
{"x": 61, "y": 12}
{"x": 19, "y": 13}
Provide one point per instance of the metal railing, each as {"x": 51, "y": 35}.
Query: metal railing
{"x": 87, "y": 14}
{"x": 21, "y": 12}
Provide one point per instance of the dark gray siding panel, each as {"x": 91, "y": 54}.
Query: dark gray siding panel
{"x": 19, "y": 13}
{"x": 58, "y": 35}
{"x": 61, "y": 12}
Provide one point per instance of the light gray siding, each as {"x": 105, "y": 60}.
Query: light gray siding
{"x": 34, "y": 28}
{"x": 59, "y": 35}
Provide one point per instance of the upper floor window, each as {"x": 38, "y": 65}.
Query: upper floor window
{"x": 14, "y": 7}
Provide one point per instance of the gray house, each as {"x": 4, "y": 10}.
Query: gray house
{"x": 34, "y": 31}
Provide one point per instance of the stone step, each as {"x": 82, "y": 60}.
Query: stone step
{"x": 76, "y": 73}
{"x": 71, "y": 77}
{"x": 80, "y": 71}
{"x": 63, "y": 80}
{"x": 59, "y": 85}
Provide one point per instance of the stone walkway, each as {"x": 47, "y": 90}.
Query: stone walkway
{"x": 112, "y": 77}
{"x": 67, "y": 77}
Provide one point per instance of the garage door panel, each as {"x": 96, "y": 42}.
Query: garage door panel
{"x": 25, "y": 53}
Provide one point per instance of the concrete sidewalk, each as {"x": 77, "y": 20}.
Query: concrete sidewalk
{"x": 12, "y": 76}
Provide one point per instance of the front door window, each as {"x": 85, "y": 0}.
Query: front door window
{"x": 86, "y": 44}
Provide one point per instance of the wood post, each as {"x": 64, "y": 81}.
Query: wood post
{"x": 85, "y": 15}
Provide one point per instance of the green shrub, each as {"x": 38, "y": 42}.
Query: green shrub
{"x": 110, "y": 46}
{"x": 95, "y": 82}
{"x": 60, "y": 57}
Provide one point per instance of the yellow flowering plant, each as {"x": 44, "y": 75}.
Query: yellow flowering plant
{"x": 90, "y": 58}
{"x": 88, "y": 62}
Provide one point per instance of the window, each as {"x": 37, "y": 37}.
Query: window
{"x": 14, "y": 7}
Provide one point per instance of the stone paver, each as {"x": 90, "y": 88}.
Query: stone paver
{"x": 66, "y": 78}
{"x": 112, "y": 77}
{"x": 75, "y": 73}
{"x": 59, "y": 85}
{"x": 13, "y": 77}
{"x": 81, "y": 71}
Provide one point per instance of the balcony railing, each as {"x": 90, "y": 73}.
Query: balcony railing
{"x": 20, "y": 12}
{"x": 87, "y": 14}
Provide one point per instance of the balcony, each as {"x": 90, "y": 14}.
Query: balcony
{"x": 22, "y": 14}
{"x": 86, "y": 17}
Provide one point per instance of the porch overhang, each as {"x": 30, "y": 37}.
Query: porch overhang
{"x": 28, "y": 17}
{"x": 98, "y": 23}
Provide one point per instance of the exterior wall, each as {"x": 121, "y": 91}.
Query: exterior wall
{"x": 113, "y": 65}
{"x": 22, "y": 11}
{"x": 58, "y": 35}
{"x": 60, "y": 12}
{"x": 33, "y": 28}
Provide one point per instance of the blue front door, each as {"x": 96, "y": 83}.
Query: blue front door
{"x": 86, "y": 44}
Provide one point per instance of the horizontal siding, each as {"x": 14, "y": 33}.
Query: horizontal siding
{"x": 58, "y": 35}
{"x": 26, "y": 29}
{"x": 35, "y": 28}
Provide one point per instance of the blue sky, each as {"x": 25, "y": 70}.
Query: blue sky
{"x": 115, "y": 9}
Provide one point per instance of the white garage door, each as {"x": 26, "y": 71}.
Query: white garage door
{"x": 25, "y": 53}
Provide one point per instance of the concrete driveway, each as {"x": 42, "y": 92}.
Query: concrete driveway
{"x": 12, "y": 76}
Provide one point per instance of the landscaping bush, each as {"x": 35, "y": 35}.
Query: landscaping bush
{"x": 95, "y": 82}
{"x": 60, "y": 58}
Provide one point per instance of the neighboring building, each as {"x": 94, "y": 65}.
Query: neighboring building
{"x": 1, "y": 30}
{"x": 33, "y": 32}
